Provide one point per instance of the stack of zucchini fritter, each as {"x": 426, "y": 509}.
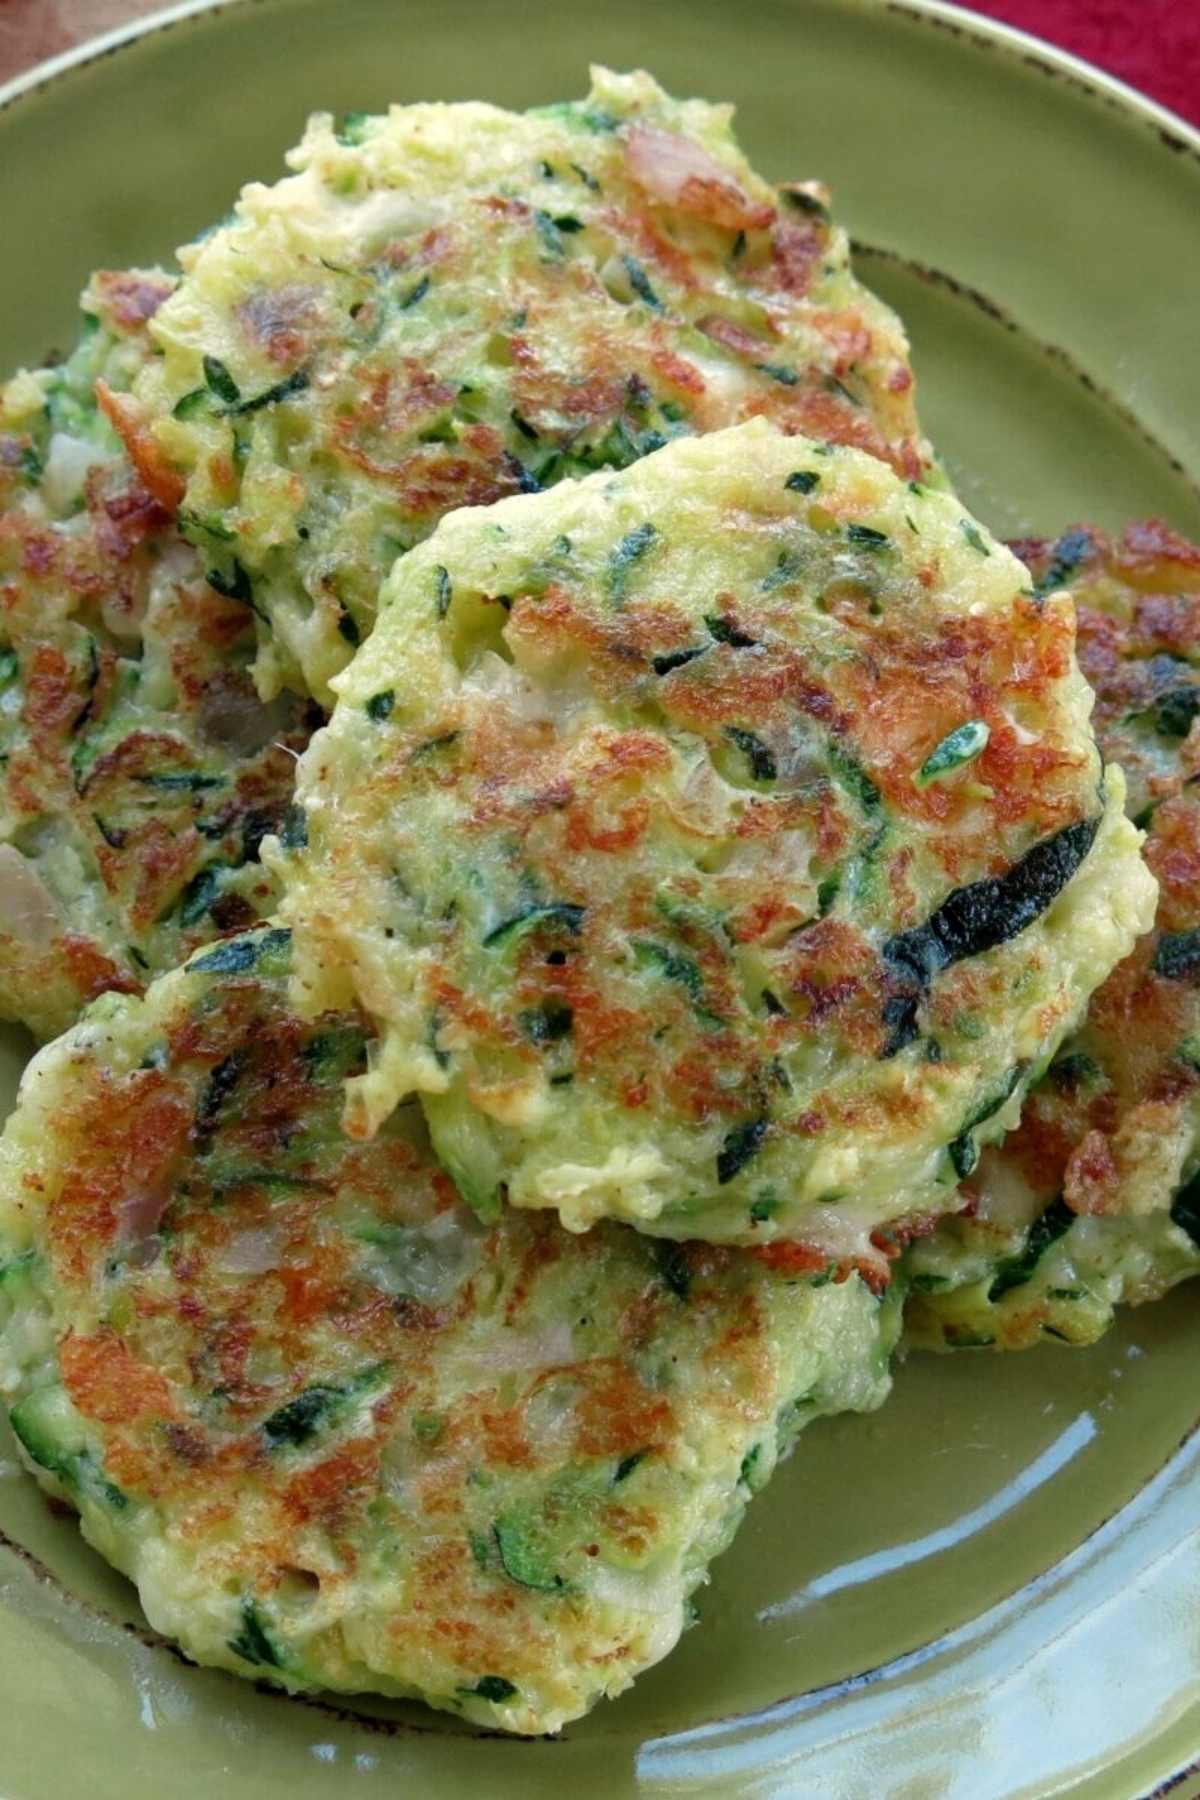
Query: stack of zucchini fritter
{"x": 473, "y": 1155}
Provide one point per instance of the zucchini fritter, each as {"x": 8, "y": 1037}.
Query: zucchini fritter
{"x": 719, "y": 845}
{"x": 139, "y": 771}
{"x": 339, "y": 1432}
{"x": 1095, "y": 1199}
{"x": 452, "y": 303}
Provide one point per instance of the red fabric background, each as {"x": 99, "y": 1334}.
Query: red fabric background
{"x": 1154, "y": 45}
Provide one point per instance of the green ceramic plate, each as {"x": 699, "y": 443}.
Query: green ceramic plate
{"x": 993, "y": 1587}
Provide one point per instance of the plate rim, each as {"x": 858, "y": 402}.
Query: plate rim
{"x": 1176, "y": 133}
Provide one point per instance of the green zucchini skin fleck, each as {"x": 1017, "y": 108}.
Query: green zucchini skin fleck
{"x": 979, "y": 917}
{"x": 1046, "y": 1229}
{"x": 958, "y": 747}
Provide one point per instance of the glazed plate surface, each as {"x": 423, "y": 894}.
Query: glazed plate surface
{"x": 992, "y": 1587}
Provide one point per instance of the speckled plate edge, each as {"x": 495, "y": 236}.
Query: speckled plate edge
{"x": 1174, "y": 132}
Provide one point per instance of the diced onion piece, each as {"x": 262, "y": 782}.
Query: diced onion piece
{"x": 28, "y": 910}
{"x": 68, "y": 460}
{"x": 677, "y": 171}
{"x": 251, "y": 1252}
{"x": 232, "y": 717}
